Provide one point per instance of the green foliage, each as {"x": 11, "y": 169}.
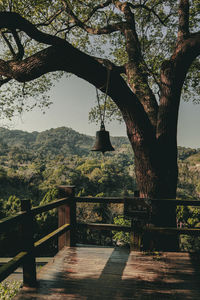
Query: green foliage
{"x": 32, "y": 167}
{"x": 8, "y": 289}
{"x": 111, "y": 111}
{"x": 184, "y": 153}
{"x": 12, "y": 205}
{"x": 121, "y": 238}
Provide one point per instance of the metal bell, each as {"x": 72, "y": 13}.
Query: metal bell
{"x": 102, "y": 142}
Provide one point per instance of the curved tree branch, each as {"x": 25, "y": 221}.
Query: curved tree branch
{"x": 14, "y": 21}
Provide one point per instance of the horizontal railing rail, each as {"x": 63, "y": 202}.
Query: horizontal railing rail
{"x": 174, "y": 230}
{"x": 100, "y": 226}
{"x": 67, "y": 226}
{"x": 7, "y": 223}
{"x": 177, "y": 202}
{"x": 12, "y": 265}
{"x": 106, "y": 200}
{"x": 46, "y": 207}
{"x": 136, "y": 200}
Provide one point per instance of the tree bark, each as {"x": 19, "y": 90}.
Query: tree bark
{"x": 158, "y": 180}
{"x": 157, "y": 172}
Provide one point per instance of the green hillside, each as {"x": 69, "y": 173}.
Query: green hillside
{"x": 56, "y": 141}
{"x": 194, "y": 159}
{"x": 33, "y": 163}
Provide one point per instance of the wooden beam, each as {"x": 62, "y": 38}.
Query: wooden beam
{"x": 46, "y": 207}
{"x": 12, "y": 265}
{"x": 99, "y": 226}
{"x": 29, "y": 265}
{"x": 52, "y": 235}
{"x": 171, "y": 230}
{"x": 67, "y": 215}
{"x": 100, "y": 199}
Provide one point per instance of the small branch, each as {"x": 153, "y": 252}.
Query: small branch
{"x": 183, "y": 12}
{"x": 153, "y": 75}
{"x": 8, "y": 44}
{"x": 3, "y": 81}
{"x": 23, "y": 89}
{"x": 100, "y": 6}
{"x": 20, "y": 53}
{"x": 149, "y": 10}
{"x": 51, "y": 19}
{"x": 10, "y": 5}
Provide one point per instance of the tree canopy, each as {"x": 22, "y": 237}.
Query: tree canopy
{"x": 112, "y": 34}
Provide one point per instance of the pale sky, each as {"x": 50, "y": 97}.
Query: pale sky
{"x": 72, "y": 99}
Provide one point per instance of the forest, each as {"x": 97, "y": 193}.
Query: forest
{"x": 33, "y": 164}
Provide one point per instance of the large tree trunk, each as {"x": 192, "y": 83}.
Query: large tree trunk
{"x": 159, "y": 181}
{"x": 157, "y": 174}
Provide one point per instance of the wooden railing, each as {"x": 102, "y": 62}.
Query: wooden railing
{"x": 25, "y": 220}
{"x": 135, "y": 208}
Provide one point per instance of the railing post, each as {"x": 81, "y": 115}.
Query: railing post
{"x": 29, "y": 265}
{"x": 135, "y": 234}
{"x": 67, "y": 215}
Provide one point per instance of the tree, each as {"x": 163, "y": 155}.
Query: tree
{"x": 143, "y": 49}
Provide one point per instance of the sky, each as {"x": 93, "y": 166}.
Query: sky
{"x": 72, "y": 100}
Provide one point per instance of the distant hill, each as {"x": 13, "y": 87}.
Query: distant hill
{"x": 54, "y": 141}
{"x": 66, "y": 141}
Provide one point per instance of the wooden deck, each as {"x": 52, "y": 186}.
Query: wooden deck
{"x": 95, "y": 273}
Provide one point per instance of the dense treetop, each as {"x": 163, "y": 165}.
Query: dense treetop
{"x": 104, "y": 30}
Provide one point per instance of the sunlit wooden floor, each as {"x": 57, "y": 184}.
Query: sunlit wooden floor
{"x": 114, "y": 273}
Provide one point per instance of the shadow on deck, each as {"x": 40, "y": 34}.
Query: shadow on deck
{"x": 115, "y": 273}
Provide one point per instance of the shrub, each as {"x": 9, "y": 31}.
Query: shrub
{"x": 8, "y": 289}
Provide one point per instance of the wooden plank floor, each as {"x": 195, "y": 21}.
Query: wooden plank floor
{"x": 114, "y": 273}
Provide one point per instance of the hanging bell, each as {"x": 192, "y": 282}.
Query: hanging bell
{"x": 102, "y": 142}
